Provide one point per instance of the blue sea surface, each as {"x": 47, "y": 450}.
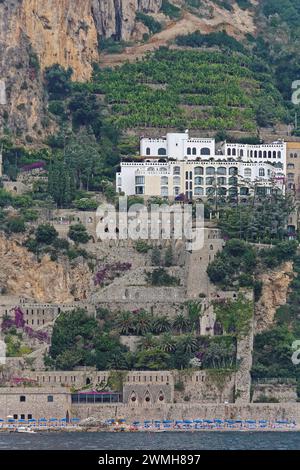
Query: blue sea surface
{"x": 151, "y": 441}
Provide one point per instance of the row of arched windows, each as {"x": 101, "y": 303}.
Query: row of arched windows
{"x": 193, "y": 151}
{"x": 255, "y": 153}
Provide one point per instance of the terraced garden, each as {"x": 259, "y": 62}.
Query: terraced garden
{"x": 196, "y": 89}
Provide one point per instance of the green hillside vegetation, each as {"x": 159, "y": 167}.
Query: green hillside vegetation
{"x": 195, "y": 89}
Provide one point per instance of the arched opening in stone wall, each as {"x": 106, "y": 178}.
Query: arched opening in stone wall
{"x": 133, "y": 398}
{"x": 88, "y": 381}
{"x": 147, "y": 398}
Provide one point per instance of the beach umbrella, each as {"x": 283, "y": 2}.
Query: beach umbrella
{"x": 188, "y": 421}
{"x": 11, "y": 420}
{"x": 122, "y": 420}
{"x": 218, "y": 421}
{"x": 22, "y": 421}
{"x": 1, "y": 420}
{"x": 147, "y": 421}
{"x": 198, "y": 421}
{"x": 167, "y": 421}
{"x": 136, "y": 423}
{"x": 53, "y": 420}
{"x": 32, "y": 420}
{"x": 75, "y": 420}
{"x": 43, "y": 420}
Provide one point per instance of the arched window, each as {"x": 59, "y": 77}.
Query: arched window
{"x": 164, "y": 180}
{"x": 261, "y": 172}
{"x": 241, "y": 153}
{"x": 244, "y": 191}
{"x": 260, "y": 154}
{"x": 210, "y": 170}
{"x": 176, "y": 170}
{"x": 233, "y": 181}
{"x": 162, "y": 151}
{"x": 176, "y": 190}
{"x": 233, "y": 191}
{"x": 279, "y": 154}
{"x": 233, "y": 152}
{"x": 233, "y": 170}
{"x": 247, "y": 172}
{"x": 189, "y": 151}
{"x": 269, "y": 154}
{"x": 148, "y": 151}
{"x": 194, "y": 151}
{"x": 251, "y": 153}
{"x": 164, "y": 192}
{"x": 222, "y": 181}
{"x": 274, "y": 154}
{"x": 229, "y": 151}
{"x": 199, "y": 191}
{"x": 205, "y": 151}
{"x": 210, "y": 191}
{"x": 176, "y": 180}
{"x": 255, "y": 153}
{"x": 198, "y": 170}
{"x": 222, "y": 191}
{"x": 221, "y": 170}
{"x": 210, "y": 180}
{"x": 265, "y": 154}
{"x": 199, "y": 181}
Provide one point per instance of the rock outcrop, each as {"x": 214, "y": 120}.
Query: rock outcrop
{"x": 274, "y": 295}
{"x": 117, "y": 18}
{"x": 36, "y": 34}
{"x": 45, "y": 281}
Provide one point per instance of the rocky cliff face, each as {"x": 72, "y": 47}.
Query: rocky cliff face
{"x": 117, "y": 17}
{"x": 46, "y": 281}
{"x": 35, "y": 34}
{"x": 274, "y": 294}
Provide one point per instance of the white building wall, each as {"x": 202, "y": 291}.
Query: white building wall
{"x": 264, "y": 165}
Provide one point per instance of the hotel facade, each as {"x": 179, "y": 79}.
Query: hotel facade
{"x": 179, "y": 165}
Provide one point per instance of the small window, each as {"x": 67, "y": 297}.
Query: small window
{"x": 22, "y": 398}
{"x": 22, "y": 416}
{"x": 29, "y": 416}
{"x": 15, "y": 416}
{"x": 50, "y": 399}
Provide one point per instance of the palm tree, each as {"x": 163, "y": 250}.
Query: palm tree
{"x": 125, "y": 323}
{"x": 167, "y": 343}
{"x": 194, "y": 313}
{"x": 180, "y": 323}
{"x": 143, "y": 322}
{"x": 188, "y": 343}
{"x": 147, "y": 342}
{"x": 161, "y": 325}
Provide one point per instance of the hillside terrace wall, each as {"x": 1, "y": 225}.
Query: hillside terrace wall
{"x": 284, "y": 393}
{"x": 271, "y": 411}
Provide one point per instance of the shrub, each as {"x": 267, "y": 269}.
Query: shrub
{"x": 153, "y": 25}
{"x": 16, "y": 225}
{"x": 78, "y": 234}
{"x": 160, "y": 277}
{"x": 46, "y": 234}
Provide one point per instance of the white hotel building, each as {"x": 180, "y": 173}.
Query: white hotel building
{"x": 178, "y": 164}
